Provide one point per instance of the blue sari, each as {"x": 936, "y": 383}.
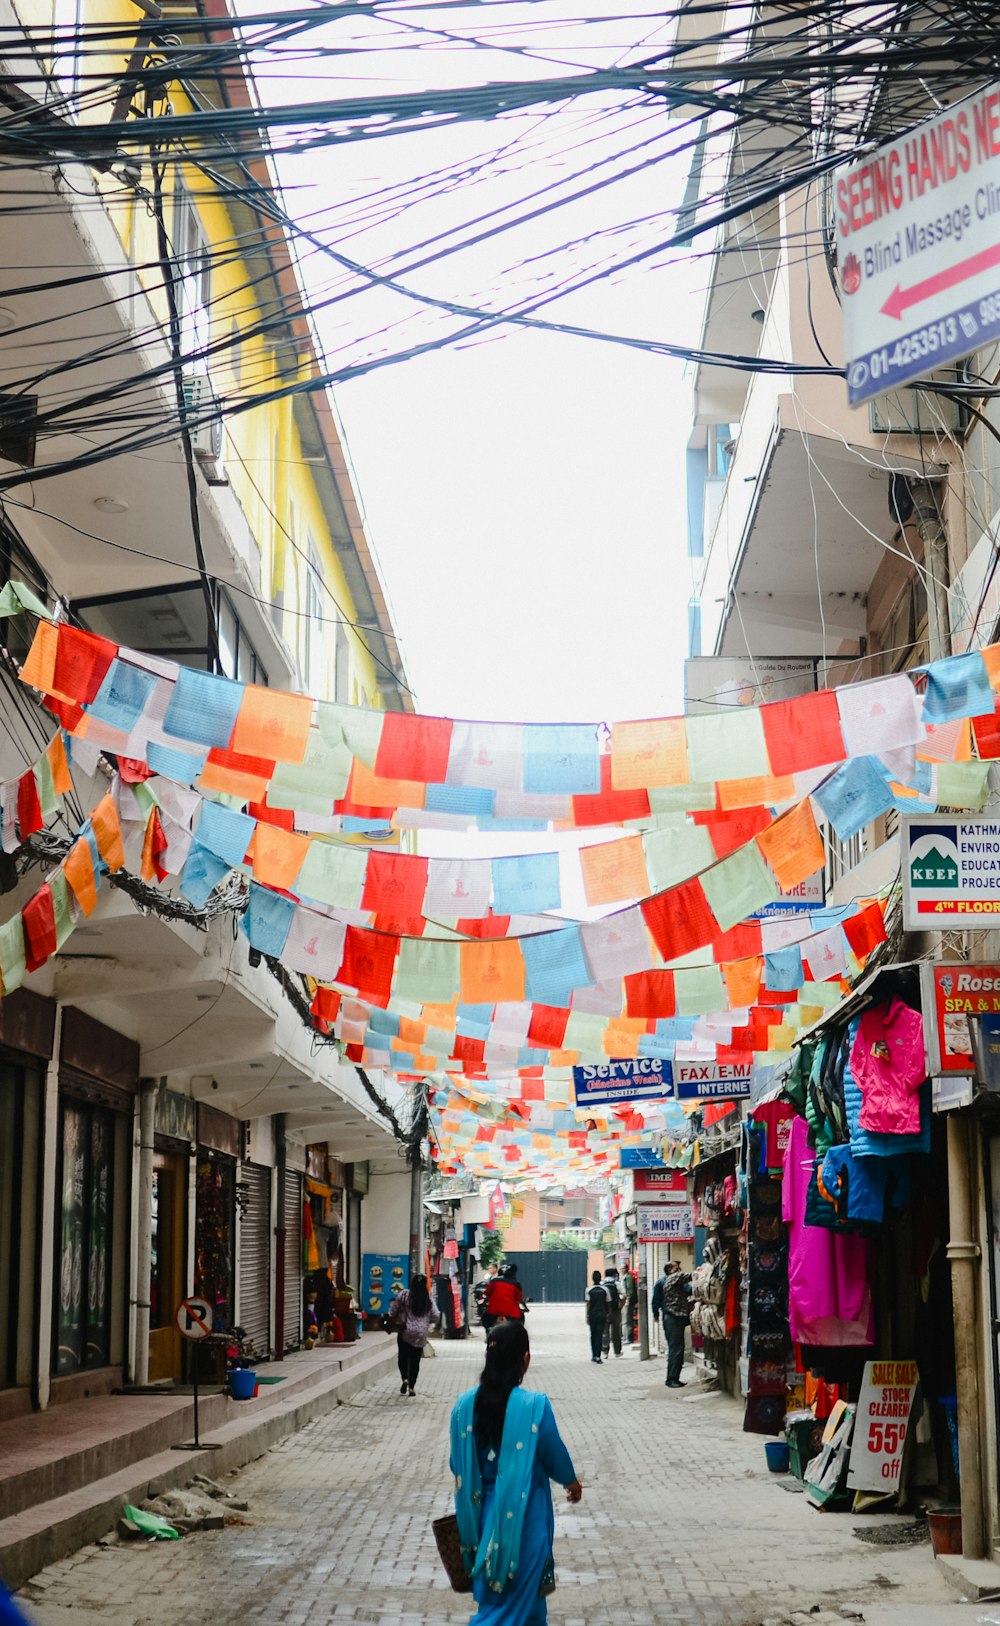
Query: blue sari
{"x": 504, "y": 1507}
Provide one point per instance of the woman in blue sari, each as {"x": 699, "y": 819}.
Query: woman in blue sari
{"x": 505, "y": 1447}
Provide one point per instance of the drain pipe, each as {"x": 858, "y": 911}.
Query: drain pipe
{"x": 144, "y": 1229}
{"x": 963, "y": 1250}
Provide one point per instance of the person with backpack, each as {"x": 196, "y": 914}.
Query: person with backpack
{"x": 504, "y": 1299}
{"x": 596, "y": 1302}
{"x": 613, "y": 1321}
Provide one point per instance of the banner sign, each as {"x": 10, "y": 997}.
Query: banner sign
{"x": 640, "y": 1157}
{"x": 380, "y": 1273}
{"x": 951, "y": 993}
{"x": 609, "y": 1082}
{"x": 809, "y": 894}
{"x": 951, "y": 871}
{"x": 660, "y": 1186}
{"x": 663, "y": 1224}
{"x": 713, "y": 1080}
{"x": 918, "y": 248}
{"x": 880, "y": 1426}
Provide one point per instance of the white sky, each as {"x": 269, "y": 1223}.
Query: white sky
{"x": 525, "y": 493}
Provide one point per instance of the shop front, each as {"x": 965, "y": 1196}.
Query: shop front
{"x": 844, "y": 1180}
{"x": 289, "y": 1290}
{"x": 98, "y": 1083}
{"x": 27, "y": 1026}
{"x": 175, "y": 1132}
{"x": 218, "y": 1140}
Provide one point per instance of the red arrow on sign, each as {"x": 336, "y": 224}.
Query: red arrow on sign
{"x": 901, "y": 299}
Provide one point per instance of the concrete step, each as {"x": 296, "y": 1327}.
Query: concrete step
{"x": 70, "y": 1500}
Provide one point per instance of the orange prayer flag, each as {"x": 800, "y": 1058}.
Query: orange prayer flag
{"x": 40, "y": 664}
{"x": 615, "y": 871}
{"x": 108, "y": 832}
{"x": 648, "y": 753}
{"x": 234, "y": 773}
{"x": 742, "y": 979}
{"x": 991, "y": 660}
{"x": 441, "y": 1016}
{"x": 61, "y": 778}
{"x": 491, "y": 971}
{"x": 367, "y": 789}
{"x": 793, "y": 846}
{"x": 765, "y": 792}
{"x": 564, "y": 1058}
{"x": 412, "y": 1033}
{"x": 277, "y": 856}
{"x": 271, "y": 723}
{"x": 620, "y": 1041}
{"x": 78, "y": 868}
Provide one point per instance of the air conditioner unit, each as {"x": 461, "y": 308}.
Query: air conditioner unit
{"x": 204, "y": 414}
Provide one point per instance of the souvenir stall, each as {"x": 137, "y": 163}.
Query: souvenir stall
{"x": 715, "y": 1281}
{"x": 449, "y": 1256}
{"x": 330, "y": 1300}
{"x": 846, "y": 1183}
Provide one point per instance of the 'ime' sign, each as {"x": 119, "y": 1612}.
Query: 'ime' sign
{"x": 918, "y": 248}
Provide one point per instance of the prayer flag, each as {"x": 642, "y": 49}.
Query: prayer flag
{"x": 203, "y": 707}
{"x": 490, "y": 971}
{"x": 614, "y": 871}
{"x": 78, "y": 867}
{"x": 527, "y": 884}
{"x": 272, "y": 724}
{"x": 793, "y": 846}
{"x": 396, "y": 883}
{"x": 645, "y": 754}
{"x": 803, "y": 732}
{"x": 108, "y": 834}
{"x": 39, "y": 928}
{"x": 414, "y": 748}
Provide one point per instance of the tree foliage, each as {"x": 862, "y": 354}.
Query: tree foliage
{"x": 491, "y": 1250}
{"x": 564, "y": 1242}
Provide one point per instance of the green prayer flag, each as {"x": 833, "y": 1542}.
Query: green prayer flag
{"x": 12, "y": 966}
{"x": 739, "y": 886}
{"x": 16, "y": 597}
{"x": 700, "y": 992}
{"x": 962, "y": 784}
{"x": 334, "y": 875}
{"x": 59, "y": 888}
{"x": 674, "y": 854}
{"x": 427, "y": 971}
{"x": 727, "y": 745}
{"x": 48, "y": 800}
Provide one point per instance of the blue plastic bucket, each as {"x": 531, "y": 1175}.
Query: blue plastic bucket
{"x": 242, "y": 1382}
{"x": 777, "y": 1455}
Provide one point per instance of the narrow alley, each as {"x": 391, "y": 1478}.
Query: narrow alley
{"x": 681, "y": 1521}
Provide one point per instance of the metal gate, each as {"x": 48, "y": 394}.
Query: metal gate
{"x": 293, "y": 1259}
{"x": 552, "y": 1276}
{"x": 255, "y": 1257}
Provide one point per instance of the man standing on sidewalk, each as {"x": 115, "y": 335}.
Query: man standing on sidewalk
{"x": 597, "y": 1313}
{"x": 676, "y": 1314}
{"x": 613, "y": 1323}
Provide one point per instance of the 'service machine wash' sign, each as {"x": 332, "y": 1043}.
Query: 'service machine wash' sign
{"x": 918, "y": 248}
{"x": 951, "y": 872}
{"x": 605, "y": 1083}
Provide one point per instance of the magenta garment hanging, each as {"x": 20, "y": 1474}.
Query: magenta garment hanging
{"x": 829, "y": 1274}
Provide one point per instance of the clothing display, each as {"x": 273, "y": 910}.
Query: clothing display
{"x": 887, "y": 1061}
{"x": 829, "y": 1275}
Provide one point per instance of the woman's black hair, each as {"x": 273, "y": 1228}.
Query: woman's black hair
{"x": 420, "y": 1299}
{"x": 506, "y": 1347}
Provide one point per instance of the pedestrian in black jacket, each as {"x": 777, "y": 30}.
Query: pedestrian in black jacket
{"x": 597, "y": 1313}
{"x": 672, "y": 1304}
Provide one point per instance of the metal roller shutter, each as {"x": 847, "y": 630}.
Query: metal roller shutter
{"x": 255, "y": 1258}
{"x": 293, "y": 1259}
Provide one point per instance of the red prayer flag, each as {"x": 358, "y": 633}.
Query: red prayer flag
{"x": 547, "y": 1027}
{"x": 82, "y": 659}
{"x": 731, "y": 830}
{"x": 650, "y": 995}
{"x": 369, "y": 961}
{"x": 803, "y": 732}
{"x": 395, "y": 883}
{"x": 29, "y": 808}
{"x": 414, "y": 748}
{"x": 610, "y": 806}
{"x": 39, "y": 918}
{"x": 680, "y": 920}
{"x": 490, "y": 925}
{"x": 865, "y": 930}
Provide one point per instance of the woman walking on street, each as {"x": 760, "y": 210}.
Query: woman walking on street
{"x": 412, "y": 1315}
{"x": 505, "y": 1447}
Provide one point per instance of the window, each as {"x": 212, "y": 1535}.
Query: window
{"x": 192, "y": 282}
{"x": 173, "y": 622}
{"x": 83, "y": 1262}
{"x": 237, "y": 655}
{"x": 721, "y": 442}
{"x": 314, "y": 662}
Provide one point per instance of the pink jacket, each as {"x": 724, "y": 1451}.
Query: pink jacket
{"x": 887, "y": 1061}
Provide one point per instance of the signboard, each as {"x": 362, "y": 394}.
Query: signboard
{"x": 809, "y": 894}
{"x": 607, "y": 1083}
{"x": 712, "y": 1080}
{"x": 880, "y": 1426}
{"x": 660, "y": 1223}
{"x": 951, "y": 993}
{"x": 194, "y": 1319}
{"x": 660, "y": 1185}
{"x": 380, "y": 1273}
{"x": 717, "y": 682}
{"x": 951, "y": 872}
{"x": 640, "y": 1157}
{"x": 918, "y": 248}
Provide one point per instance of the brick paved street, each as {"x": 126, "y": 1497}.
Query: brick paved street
{"x": 680, "y": 1521}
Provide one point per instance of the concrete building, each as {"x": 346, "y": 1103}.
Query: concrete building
{"x": 168, "y": 1123}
